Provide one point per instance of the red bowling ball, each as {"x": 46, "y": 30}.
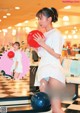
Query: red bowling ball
{"x": 30, "y": 38}
{"x": 10, "y": 54}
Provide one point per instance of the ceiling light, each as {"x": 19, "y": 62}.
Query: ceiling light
{"x": 66, "y": 32}
{"x": 14, "y": 32}
{"x": 69, "y": 36}
{"x": 27, "y": 29}
{"x": 9, "y": 27}
{"x": 26, "y": 21}
{"x": 4, "y": 16}
{"x": 75, "y": 27}
{"x": 5, "y": 30}
{"x": 64, "y": 36}
{"x": 65, "y": 18}
{"x": 17, "y": 8}
{"x": 73, "y": 31}
{"x": 67, "y": 7}
{"x": 36, "y": 18}
{"x": 20, "y": 24}
{"x": 0, "y": 20}
{"x": 8, "y": 14}
{"x": 75, "y": 36}
{"x": 0, "y": 30}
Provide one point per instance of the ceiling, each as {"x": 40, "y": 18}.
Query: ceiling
{"x": 28, "y": 9}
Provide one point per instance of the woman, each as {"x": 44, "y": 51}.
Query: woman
{"x": 17, "y": 61}
{"x": 50, "y": 75}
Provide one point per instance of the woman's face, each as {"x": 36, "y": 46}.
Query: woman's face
{"x": 16, "y": 47}
{"x": 43, "y": 21}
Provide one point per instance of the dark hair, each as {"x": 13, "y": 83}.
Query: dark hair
{"x": 79, "y": 51}
{"x": 48, "y": 12}
{"x": 17, "y": 43}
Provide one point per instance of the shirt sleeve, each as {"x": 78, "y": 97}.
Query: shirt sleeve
{"x": 57, "y": 43}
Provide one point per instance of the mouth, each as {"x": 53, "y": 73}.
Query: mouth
{"x": 40, "y": 25}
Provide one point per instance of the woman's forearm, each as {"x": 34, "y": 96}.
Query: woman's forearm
{"x": 41, "y": 42}
{"x": 51, "y": 51}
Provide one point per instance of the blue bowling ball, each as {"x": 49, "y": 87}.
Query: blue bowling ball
{"x": 40, "y": 101}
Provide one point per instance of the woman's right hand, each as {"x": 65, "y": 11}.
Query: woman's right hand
{"x": 39, "y": 39}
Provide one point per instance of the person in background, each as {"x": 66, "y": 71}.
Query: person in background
{"x": 17, "y": 67}
{"x": 35, "y": 56}
{"x": 3, "y": 49}
{"x": 28, "y": 51}
{"x": 79, "y": 48}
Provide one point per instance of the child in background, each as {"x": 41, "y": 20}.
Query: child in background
{"x": 17, "y": 67}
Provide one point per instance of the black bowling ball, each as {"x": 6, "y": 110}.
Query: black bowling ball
{"x": 40, "y": 101}
{"x": 3, "y": 72}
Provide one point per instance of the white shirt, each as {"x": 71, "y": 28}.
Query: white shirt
{"x": 55, "y": 41}
{"x": 50, "y": 66}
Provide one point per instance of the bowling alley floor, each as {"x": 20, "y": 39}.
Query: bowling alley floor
{"x": 15, "y": 96}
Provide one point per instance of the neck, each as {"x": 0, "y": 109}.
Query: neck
{"x": 48, "y": 28}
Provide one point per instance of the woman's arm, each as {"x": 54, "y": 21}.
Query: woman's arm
{"x": 51, "y": 51}
{"x": 41, "y": 41}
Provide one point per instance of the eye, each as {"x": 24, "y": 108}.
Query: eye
{"x": 39, "y": 18}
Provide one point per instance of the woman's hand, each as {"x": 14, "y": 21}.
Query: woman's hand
{"x": 39, "y": 39}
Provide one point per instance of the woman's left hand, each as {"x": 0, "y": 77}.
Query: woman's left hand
{"x": 39, "y": 39}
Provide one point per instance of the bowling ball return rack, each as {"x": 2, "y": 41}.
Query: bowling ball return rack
{"x": 21, "y": 108}
{"x": 30, "y": 111}
{"x": 14, "y": 105}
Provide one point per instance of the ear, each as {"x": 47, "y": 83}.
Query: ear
{"x": 50, "y": 19}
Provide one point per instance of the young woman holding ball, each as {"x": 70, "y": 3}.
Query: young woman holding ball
{"x": 50, "y": 74}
